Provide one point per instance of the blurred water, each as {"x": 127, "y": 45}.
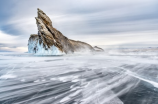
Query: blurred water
{"x": 78, "y": 79}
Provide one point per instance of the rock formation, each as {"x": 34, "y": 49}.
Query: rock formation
{"x": 50, "y": 41}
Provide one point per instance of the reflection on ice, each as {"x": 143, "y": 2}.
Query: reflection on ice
{"x": 78, "y": 79}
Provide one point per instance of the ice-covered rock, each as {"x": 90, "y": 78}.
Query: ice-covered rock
{"x": 50, "y": 41}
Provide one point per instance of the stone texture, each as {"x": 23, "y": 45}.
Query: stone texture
{"x": 48, "y": 36}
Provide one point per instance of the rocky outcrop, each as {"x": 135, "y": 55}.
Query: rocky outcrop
{"x": 50, "y": 41}
{"x": 98, "y": 49}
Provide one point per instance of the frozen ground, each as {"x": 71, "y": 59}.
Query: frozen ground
{"x": 104, "y": 78}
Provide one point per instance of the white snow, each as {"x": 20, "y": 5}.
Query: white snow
{"x": 64, "y": 99}
{"x": 7, "y": 76}
{"x": 89, "y": 79}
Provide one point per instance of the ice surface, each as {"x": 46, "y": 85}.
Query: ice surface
{"x": 38, "y": 49}
{"x": 7, "y": 76}
{"x": 78, "y": 79}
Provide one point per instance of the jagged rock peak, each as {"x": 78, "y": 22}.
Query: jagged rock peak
{"x": 50, "y": 41}
{"x": 44, "y": 17}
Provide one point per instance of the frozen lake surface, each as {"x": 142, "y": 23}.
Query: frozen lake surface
{"x": 79, "y": 79}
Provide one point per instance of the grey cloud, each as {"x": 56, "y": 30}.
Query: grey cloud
{"x": 79, "y": 17}
{"x": 10, "y": 29}
{"x": 94, "y": 14}
{"x": 7, "y": 45}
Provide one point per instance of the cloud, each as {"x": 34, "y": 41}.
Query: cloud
{"x": 11, "y": 43}
{"x": 81, "y": 18}
{"x": 5, "y": 38}
{"x": 82, "y": 15}
{"x": 123, "y": 38}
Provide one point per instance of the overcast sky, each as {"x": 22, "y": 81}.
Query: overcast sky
{"x": 98, "y": 22}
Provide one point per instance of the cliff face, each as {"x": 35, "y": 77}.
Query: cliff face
{"x": 50, "y": 41}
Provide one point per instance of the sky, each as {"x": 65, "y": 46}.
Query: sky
{"x": 129, "y": 23}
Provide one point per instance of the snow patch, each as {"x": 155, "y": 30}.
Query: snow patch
{"x": 7, "y": 76}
